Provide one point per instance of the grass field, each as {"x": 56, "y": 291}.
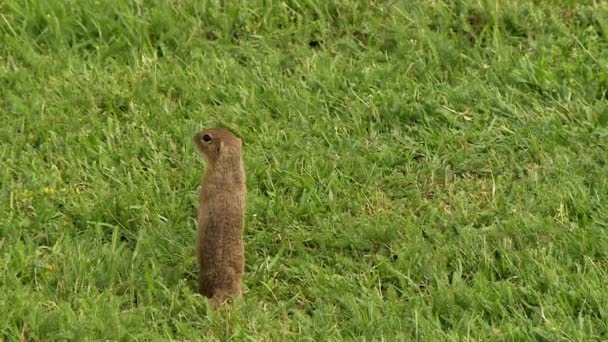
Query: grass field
{"x": 417, "y": 170}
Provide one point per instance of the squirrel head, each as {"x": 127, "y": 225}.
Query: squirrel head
{"x": 217, "y": 143}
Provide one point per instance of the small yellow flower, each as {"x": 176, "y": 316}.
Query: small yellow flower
{"x": 48, "y": 190}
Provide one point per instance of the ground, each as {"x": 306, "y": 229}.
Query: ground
{"x": 417, "y": 170}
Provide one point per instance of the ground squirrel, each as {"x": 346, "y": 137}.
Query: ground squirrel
{"x": 221, "y": 216}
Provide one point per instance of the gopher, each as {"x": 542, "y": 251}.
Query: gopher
{"x": 221, "y": 216}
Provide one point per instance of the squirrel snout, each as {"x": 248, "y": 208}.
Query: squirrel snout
{"x": 197, "y": 137}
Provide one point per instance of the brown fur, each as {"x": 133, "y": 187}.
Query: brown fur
{"x": 221, "y": 216}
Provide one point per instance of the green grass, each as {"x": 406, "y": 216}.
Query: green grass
{"x": 417, "y": 170}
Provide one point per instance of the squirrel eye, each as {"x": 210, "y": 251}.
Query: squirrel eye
{"x": 206, "y": 138}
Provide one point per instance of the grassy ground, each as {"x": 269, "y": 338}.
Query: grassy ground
{"x": 416, "y": 169}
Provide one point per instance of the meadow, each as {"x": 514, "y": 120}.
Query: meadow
{"x": 417, "y": 170}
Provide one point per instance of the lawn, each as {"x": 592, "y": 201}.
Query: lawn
{"x": 417, "y": 170}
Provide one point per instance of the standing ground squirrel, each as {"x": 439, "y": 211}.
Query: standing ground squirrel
{"x": 221, "y": 216}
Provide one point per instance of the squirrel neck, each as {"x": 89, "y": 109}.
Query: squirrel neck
{"x": 228, "y": 168}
